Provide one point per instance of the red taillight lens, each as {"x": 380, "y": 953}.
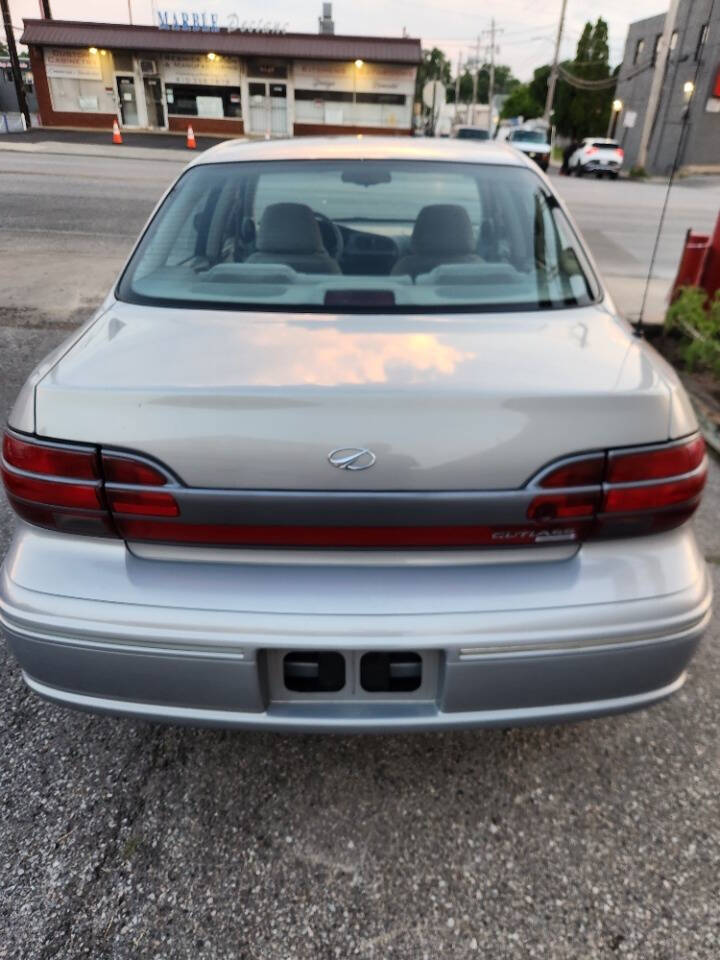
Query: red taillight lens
{"x": 119, "y": 469}
{"x": 656, "y": 464}
{"x": 620, "y": 152}
{"x": 625, "y": 493}
{"x": 54, "y": 461}
{"x": 591, "y": 150}
{"x": 339, "y": 538}
{"x": 59, "y": 486}
{"x": 147, "y": 503}
{"x": 563, "y": 506}
{"x": 579, "y": 473}
{"x": 51, "y": 493}
{"x": 655, "y": 496}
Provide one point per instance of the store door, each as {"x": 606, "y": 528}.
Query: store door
{"x": 128, "y": 101}
{"x": 268, "y": 108}
{"x": 154, "y": 102}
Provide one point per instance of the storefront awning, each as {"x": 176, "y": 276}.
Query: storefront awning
{"x": 310, "y": 46}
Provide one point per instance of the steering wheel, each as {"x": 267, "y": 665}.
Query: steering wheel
{"x": 332, "y": 237}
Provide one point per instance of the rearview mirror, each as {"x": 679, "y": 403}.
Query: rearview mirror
{"x": 366, "y": 176}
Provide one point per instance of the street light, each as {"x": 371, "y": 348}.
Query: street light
{"x": 617, "y": 106}
{"x": 212, "y": 56}
{"x": 688, "y": 90}
{"x": 359, "y": 64}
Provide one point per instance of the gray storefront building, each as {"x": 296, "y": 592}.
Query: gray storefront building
{"x": 693, "y": 56}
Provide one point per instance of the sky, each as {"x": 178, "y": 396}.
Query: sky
{"x": 527, "y": 41}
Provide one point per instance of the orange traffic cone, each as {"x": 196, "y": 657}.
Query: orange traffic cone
{"x": 117, "y": 136}
{"x": 190, "y": 139}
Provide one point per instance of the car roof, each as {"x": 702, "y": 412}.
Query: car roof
{"x": 361, "y": 148}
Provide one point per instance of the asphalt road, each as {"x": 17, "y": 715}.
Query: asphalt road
{"x": 127, "y": 840}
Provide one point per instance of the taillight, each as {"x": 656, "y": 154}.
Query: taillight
{"x": 620, "y": 152}
{"x": 57, "y": 486}
{"x": 625, "y": 492}
{"x": 591, "y": 150}
{"x": 657, "y": 464}
{"x": 71, "y": 463}
{"x": 82, "y": 489}
{"x": 120, "y": 468}
{"x": 72, "y": 488}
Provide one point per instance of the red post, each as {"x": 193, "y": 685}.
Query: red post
{"x": 710, "y": 277}
{"x": 692, "y": 262}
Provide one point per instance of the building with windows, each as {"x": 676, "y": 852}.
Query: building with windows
{"x": 691, "y": 81}
{"x": 222, "y": 81}
{"x": 8, "y": 96}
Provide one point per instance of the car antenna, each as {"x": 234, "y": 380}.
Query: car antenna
{"x": 689, "y": 90}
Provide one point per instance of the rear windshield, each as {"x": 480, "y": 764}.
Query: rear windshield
{"x": 529, "y": 136}
{"x": 401, "y": 236}
{"x": 472, "y": 133}
{"x": 606, "y": 144}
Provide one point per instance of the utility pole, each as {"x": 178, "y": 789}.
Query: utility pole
{"x": 15, "y": 63}
{"x": 656, "y": 84}
{"x": 554, "y": 70}
{"x": 493, "y": 31}
{"x": 45, "y": 10}
{"x": 457, "y": 86}
{"x": 475, "y": 80}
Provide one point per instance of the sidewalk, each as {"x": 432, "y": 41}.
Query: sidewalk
{"x": 627, "y": 292}
{"x": 98, "y": 143}
{"x": 117, "y": 151}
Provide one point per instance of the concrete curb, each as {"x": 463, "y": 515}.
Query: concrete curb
{"x": 116, "y": 151}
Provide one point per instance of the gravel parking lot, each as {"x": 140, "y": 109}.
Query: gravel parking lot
{"x": 127, "y": 840}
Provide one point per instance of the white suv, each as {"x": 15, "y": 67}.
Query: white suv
{"x": 597, "y": 155}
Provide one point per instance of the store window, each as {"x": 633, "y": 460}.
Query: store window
{"x": 80, "y": 80}
{"x": 202, "y": 100}
{"x": 656, "y": 49}
{"x": 342, "y": 96}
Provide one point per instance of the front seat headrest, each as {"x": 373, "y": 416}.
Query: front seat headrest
{"x": 442, "y": 228}
{"x": 289, "y": 228}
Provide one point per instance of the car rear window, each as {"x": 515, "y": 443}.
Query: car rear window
{"x": 371, "y": 235}
{"x": 529, "y": 136}
{"x": 472, "y": 133}
{"x": 606, "y": 145}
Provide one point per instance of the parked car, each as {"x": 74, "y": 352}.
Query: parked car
{"x": 357, "y": 441}
{"x": 597, "y": 155}
{"x": 533, "y": 143}
{"x": 467, "y": 132}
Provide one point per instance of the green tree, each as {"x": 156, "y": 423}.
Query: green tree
{"x": 505, "y": 82}
{"x": 527, "y": 100}
{"x": 435, "y": 66}
{"x": 584, "y": 113}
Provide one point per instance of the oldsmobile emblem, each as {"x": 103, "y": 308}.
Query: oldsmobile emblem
{"x": 351, "y": 458}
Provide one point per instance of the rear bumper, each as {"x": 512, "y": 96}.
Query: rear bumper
{"x": 609, "y": 629}
{"x": 596, "y": 166}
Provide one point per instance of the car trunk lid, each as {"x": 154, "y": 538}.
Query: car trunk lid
{"x": 259, "y": 401}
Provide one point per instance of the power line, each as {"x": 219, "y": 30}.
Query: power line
{"x": 582, "y": 84}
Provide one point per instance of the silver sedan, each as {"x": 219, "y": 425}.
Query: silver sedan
{"x": 357, "y": 442}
